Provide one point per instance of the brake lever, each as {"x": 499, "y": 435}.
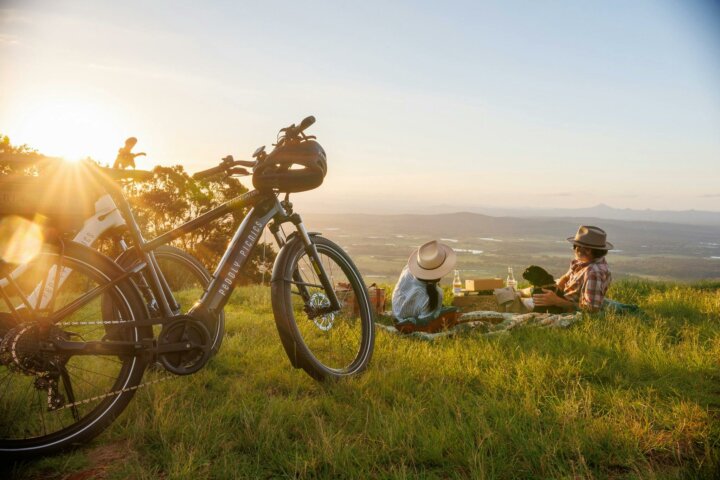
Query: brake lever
{"x": 259, "y": 151}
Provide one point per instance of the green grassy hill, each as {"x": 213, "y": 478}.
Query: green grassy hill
{"x": 610, "y": 397}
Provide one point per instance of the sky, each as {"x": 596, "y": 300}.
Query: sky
{"x": 418, "y": 104}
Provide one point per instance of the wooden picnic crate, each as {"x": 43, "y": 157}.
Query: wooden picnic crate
{"x": 375, "y": 293}
{"x": 474, "y": 302}
{"x": 480, "y": 284}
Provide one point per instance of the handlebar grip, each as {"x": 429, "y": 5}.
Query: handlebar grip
{"x": 210, "y": 172}
{"x": 307, "y": 121}
{"x": 245, "y": 163}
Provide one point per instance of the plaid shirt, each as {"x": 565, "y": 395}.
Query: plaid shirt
{"x": 587, "y": 283}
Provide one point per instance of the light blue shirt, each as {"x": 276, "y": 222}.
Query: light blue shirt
{"x": 410, "y": 297}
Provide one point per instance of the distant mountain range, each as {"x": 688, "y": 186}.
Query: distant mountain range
{"x": 602, "y": 211}
{"x": 659, "y": 237}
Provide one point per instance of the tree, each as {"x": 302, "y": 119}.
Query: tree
{"x": 16, "y": 158}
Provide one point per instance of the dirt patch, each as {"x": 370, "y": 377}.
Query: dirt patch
{"x": 101, "y": 459}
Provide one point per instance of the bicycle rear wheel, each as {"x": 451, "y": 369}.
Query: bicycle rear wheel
{"x": 332, "y": 345}
{"x": 50, "y": 401}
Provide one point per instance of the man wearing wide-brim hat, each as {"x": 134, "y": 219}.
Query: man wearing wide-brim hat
{"x": 586, "y": 282}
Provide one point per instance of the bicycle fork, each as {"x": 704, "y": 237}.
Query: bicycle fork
{"x": 317, "y": 266}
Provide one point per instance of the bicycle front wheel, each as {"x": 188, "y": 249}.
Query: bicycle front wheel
{"x": 331, "y": 345}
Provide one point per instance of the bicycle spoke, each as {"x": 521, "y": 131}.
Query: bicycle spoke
{"x": 56, "y": 285}
{"x": 75, "y": 367}
{"x": 25, "y": 301}
{"x": 69, "y": 392}
{"x": 42, "y": 411}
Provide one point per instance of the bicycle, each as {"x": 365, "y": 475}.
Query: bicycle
{"x": 67, "y": 372}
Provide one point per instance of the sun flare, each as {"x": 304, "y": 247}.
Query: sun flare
{"x": 20, "y": 239}
{"x": 71, "y": 128}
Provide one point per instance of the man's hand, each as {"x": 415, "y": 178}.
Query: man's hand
{"x": 547, "y": 299}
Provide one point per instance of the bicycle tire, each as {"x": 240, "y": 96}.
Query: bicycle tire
{"x": 332, "y": 346}
{"x": 112, "y": 379}
{"x": 167, "y": 255}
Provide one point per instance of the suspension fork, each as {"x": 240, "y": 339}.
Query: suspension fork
{"x": 297, "y": 278}
{"x": 317, "y": 266}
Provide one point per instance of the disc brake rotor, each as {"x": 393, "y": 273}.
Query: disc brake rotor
{"x": 317, "y": 301}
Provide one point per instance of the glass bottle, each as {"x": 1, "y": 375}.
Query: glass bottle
{"x": 510, "y": 281}
{"x": 457, "y": 284}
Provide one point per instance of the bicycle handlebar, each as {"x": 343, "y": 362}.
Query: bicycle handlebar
{"x": 228, "y": 163}
{"x": 227, "y": 166}
{"x": 210, "y": 172}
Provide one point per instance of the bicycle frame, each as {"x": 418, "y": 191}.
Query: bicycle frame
{"x": 265, "y": 207}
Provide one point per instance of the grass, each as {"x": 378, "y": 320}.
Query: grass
{"x": 611, "y": 397}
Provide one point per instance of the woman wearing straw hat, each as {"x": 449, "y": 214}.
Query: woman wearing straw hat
{"x": 417, "y": 292}
{"x": 586, "y": 282}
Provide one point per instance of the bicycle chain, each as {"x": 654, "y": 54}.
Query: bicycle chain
{"x": 116, "y": 392}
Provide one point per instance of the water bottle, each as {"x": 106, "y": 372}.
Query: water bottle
{"x": 510, "y": 281}
{"x": 457, "y": 284}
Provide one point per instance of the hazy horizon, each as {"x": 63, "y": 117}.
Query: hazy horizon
{"x": 378, "y": 208}
{"x": 418, "y": 104}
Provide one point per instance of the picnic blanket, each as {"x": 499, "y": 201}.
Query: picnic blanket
{"x": 488, "y": 323}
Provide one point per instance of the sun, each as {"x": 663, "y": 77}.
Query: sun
{"x": 71, "y": 128}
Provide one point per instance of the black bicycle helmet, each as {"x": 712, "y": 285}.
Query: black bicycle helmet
{"x": 292, "y": 167}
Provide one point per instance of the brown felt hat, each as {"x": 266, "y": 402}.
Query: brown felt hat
{"x": 591, "y": 237}
{"x": 431, "y": 261}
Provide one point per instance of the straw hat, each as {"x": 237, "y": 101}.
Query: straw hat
{"x": 591, "y": 237}
{"x": 431, "y": 261}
